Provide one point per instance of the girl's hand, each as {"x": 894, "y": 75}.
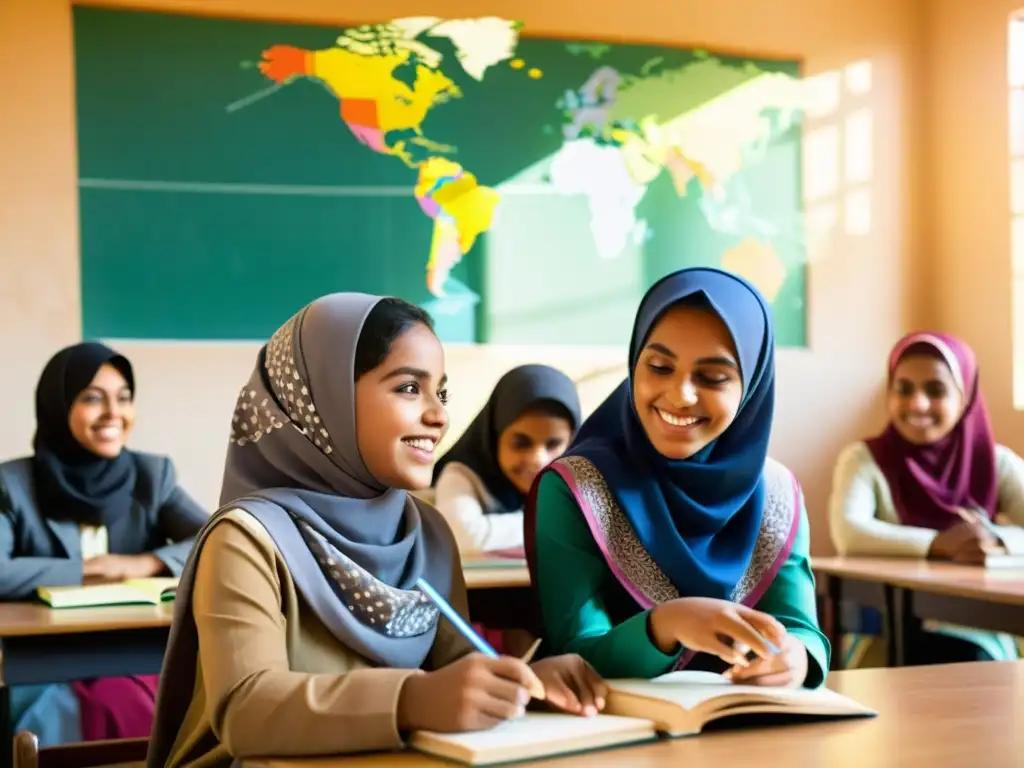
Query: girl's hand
{"x": 572, "y": 685}
{"x": 786, "y": 669}
{"x": 727, "y": 630}
{"x": 471, "y": 694}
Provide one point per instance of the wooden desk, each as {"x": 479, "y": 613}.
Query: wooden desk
{"x": 512, "y": 577}
{"x": 42, "y": 645}
{"x": 954, "y": 716}
{"x": 914, "y": 589}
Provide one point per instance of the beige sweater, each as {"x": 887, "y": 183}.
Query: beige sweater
{"x": 271, "y": 680}
{"x": 461, "y": 496}
{"x": 863, "y": 519}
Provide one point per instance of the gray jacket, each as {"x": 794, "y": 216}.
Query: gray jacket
{"x": 36, "y": 550}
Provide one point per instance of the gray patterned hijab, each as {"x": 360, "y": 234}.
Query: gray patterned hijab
{"x": 353, "y": 547}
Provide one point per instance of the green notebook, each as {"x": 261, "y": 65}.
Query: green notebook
{"x": 152, "y": 591}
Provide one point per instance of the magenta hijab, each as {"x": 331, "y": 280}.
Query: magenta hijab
{"x": 929, "y": 482}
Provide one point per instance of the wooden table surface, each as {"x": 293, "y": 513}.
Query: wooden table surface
{"x": 954, "y": 716}
{"x": 973, "y": 582}
{"x": 30, "y": 619}
{"x": 516, "y": 576}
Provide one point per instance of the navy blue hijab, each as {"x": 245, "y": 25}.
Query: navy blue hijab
{"x": 698, "y": 518}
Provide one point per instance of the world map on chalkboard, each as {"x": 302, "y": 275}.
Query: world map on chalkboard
{"x": 522, "y": 189}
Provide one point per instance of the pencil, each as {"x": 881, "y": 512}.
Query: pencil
{"x": 453, "y": 616}
{"x": 528, "y": 656}
{"x": 536, "y": 689}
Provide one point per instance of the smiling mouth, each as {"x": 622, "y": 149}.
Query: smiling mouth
{"x": 680, "y": 422}
{"x": 422, "y": 447}
{"x": 108, "y": 432}
{"x": 919, "y": 422}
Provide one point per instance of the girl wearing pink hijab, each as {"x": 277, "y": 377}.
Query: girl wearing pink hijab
{"x": 933, "y": 484}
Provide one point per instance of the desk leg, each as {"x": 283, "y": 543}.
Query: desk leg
{"x": 900, "y": 624}
{"x": 6, "y": 728}
{"x": 833, "y": 620}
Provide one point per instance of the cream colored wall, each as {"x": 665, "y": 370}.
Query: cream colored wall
{"x": 967, "y": 246}
{"x": 864, "y": 287}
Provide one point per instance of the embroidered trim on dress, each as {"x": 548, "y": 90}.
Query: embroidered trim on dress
{"x": 634, "y": 567}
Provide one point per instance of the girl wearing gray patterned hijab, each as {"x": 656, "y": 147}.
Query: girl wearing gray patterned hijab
{"x": 339, "y": 417}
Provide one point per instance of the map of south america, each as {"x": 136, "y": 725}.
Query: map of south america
{"x": 374, "y": 103}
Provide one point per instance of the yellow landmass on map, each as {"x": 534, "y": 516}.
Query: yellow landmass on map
{"x": 465, "y": 210}
{"x": 758, "y": 263}
{"x": 371, "y": 78}
{"x": 717, "y": 114}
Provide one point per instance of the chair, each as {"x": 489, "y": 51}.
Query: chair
{"x": 89, "y": 754}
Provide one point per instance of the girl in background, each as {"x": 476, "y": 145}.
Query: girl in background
{"x": 83, "y": 509}
{"x": 481, "y": 483}
{"x": 298, "y": 627}
{"x": 932, "y": 483}
{"x": 665, "y": 537}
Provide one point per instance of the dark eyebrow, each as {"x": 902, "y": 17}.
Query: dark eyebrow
{"x": 416, "y": 373}
{"x": 92, "y": 388}
{"x": 718, "y": 360}
{"x": 661, "y": 348}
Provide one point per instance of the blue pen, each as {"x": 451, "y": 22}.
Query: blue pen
{"x": 453, "y": 616}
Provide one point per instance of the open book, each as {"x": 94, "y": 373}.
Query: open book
{"x": 676, "y": 704}
{"x": 153, "y": 590}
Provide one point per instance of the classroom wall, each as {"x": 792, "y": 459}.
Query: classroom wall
{"x": 864, "y": 288}
{"x": 966, "y": 251}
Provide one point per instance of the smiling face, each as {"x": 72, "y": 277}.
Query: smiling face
{"x": 400, "y": 413}
{"x": 686, "y": 384}
{"x": 924, "y": 400}
{"x": 102, "y": 415}
{"x": 530, "y": 443}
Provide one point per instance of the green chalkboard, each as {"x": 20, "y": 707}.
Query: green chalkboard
{"x": 216, "y": 200}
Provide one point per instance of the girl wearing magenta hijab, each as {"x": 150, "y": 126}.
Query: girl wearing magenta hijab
{"x": 666, "y": 538}
{"x": 933, "y": 483}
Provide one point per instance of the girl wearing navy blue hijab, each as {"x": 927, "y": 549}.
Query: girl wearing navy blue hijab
{"x": 665, "y": 538}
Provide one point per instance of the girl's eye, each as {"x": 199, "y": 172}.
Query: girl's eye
{"x": 713, "y": 381}
{"x": 659, "y": 370}
{"x": 443, "y": 396}
{"x": 412, "y": 388}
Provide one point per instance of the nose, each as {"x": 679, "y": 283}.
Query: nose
{"x": 539, "y": 458}
{"x": 918, "y": 402}
{"x": 112, "y": 407}
{"x": 436, "y": 415}
{"x": 687, "y": 393}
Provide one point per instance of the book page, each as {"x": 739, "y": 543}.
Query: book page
{"x": 153, "y": 587}
{"x": 688, "y": 689}
{"x": 94, "y": 594}
{"x": 533, "y": 728}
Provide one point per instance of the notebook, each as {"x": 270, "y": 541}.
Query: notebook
{"x": 673, "y": 705}
{"x": 153, "y": 591}
{"x": 475, "y": 563}
{"x": 496, "y": 558}
{"x": 1004, "y": 562}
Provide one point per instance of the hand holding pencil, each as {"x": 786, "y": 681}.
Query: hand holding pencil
{"x": 482, "y": 689}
